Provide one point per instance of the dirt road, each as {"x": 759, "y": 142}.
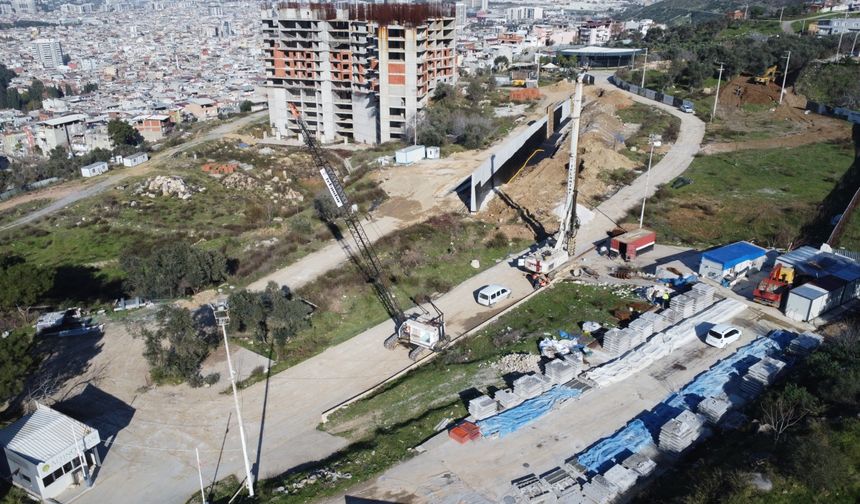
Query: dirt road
{"x": 74, "y": 191}
{"x": 152, "y": 458}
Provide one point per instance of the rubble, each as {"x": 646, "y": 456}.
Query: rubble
{"x": 240, "y": 181}
{"x": 167, "y": 185}
{"x": 518, "y": 363}
{"x": 317, "y": 476}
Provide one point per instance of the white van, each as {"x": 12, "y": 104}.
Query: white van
{"x": 721, "y": 335}
{"x": 492, "y": 294}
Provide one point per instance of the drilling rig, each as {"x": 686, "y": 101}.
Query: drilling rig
{"x": 419, "y": 332}
{"x": 559, "y": 248}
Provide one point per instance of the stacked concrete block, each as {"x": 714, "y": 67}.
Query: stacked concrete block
{"x": 532, "y": 489}
{"x": 483, "y": 407}
{"x": 574, "y": 468}
{"x": 546, "y": 382}
{"x": 560, "y": 371}
{"x": 684, "y": 305}
{"x": 760, "y": 375}
{"x": 574, "y": 359}
{"x": 528, "y": 386}
{"x": 642, "y": 465}
{"x": 714, "y": 408}
{"x": 704, "y": 295}
{"x": 657, "y": 320}
{"x": 622, "y": 477}
{"x": 671, "y": 316}
{"x": 679, "y": 433}
{"x": 618, "y": 341}
{"x": 561, "y": 482}
{"x": 507, "y": 399}
{"x": 805, "y": 343}
{"x": 599, "y": 490}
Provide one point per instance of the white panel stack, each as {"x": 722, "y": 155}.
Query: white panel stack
{"x": 672, "y": 317}
{"x": 805, "y": 343}
{"x": 616, "y": 341}
{"x": 643, "y": 329}
{"x": 679, "y": 433}
{"x": 705, "y": 295}
{"x": 545, "y": 382}
{"x": 640, "y": 463}
{"x": 622, "y": 477}
{"x": 528, "y": 386}
{"x": 713, "y": 408}
{"x": 684, "y": 305}
{"x": 599, "y": 490}
{"x": 560, "y": 371}
{"x": 657, "y": 320}
{"x": 483, "y": 407}
{"x": 574, "y": 359}
{"x": 760, "y": 375}
{"x": 507, "y": 399}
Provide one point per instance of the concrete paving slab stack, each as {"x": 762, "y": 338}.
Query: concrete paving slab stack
{"x": 622, "y": 477}
{"x": 560, "y": 371}
{"x": 679, "y": 433}
{"x": 714, "y": 408}
{"x": 546, "y": 382}
{"x": 532, "y": 489}
{"x": 528, "y": 386}
{"x": 574, "y": 468}
{"x": 672, "y": 317}
{"x": 616, "y": 342}
{"x": 483, "y": 407}
{"x": 640, "y": 463}
{"x": 805, "y": 343}
{"x": 574, "y": 359}
{"x": 704, "y": 295}
{"x": 760, "y": 375}
{"x": 560, "y": 482}
{"x": 599, "y": 490}
{"x": 507, "y": 399}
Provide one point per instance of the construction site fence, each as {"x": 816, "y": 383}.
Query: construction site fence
{"x": 852, "y": 116}
{"x": 649, "y": 93}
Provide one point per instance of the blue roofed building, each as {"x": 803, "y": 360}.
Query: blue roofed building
{"x": 731, "y": 260}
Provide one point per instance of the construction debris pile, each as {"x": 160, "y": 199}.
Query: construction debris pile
{"x": 613, "y": 465}
{"x": 167, "y": 185}
{"x": 518, "y": 363}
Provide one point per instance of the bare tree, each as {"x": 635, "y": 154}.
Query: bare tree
{"x": 785, "y": 409}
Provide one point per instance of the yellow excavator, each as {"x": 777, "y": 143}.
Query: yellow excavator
{"x": 767, "y": 77}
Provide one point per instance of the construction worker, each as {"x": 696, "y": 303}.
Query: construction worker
{"x": 666, "y": 298}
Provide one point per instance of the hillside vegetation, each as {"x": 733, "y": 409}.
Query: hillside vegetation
{"x": 695, "y": 11}
{"x": 832, "y": 84}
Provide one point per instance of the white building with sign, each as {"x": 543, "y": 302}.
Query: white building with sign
{"x": 47, "y": 452}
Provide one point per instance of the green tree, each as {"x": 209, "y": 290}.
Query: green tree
{"x": 173, "y": 269}
{"x": 16, "y": 358}
{"x": 784, "y": 409}
{"x": 69, "y": 91}
{"x": 122, "y": 133}
{"x": 245, "y": 106}
{"x": 22, "y": 285}
{"x": 177, "y": 347}
{"x": 13, "y": 99}
{"x": 501, "y": 62}
{"x": 90, "y": 87}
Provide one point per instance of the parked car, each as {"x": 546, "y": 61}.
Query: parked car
{"x": 686, "y": 108}
{"x": 722, "y": 335}
{"x": 492, "y": 294}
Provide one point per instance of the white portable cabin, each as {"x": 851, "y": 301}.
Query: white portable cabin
{"x": 134, "y": 159}
{"x": 91, "y": 170}
{"x": 409, "y": 155}
{"x": 806, "y": 302}
{"x": 433, "y": 153}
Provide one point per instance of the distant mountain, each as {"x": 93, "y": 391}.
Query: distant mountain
{"x": 686, "y": 11}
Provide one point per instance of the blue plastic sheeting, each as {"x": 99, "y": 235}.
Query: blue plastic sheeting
{"x": 517, "y": 417}
{"x": 632, "y": 438}
{"x": 734, "y": 254}
{"x": 714, "y": 381}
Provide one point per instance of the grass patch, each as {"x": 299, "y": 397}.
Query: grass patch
{"x": 427, "y": 258}
{"x": 386, "y": 425}
{"x": 747, "y": 28}
{"x": 766, "y": 196}
{"x": 652, "y": 121}
{"x": 12, "y": 214}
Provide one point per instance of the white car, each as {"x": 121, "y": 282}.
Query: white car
{"x": 686, "y": 108}
{"x": 722, "y": 335}
{"x": 492, "y": 294}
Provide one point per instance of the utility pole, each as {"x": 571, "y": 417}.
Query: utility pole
{"x": 784, "y": 76}
{"x": 746, "y": 11}
{"x": 780, "y": 14}
{"x": 717, "y": 95}
{"x": 222, "y": 318}
{"x": 200, "y": 475}
{"x": 842, "y": 34}
{"x": 853, "y": 45}
{"x": 654, "y": 143}
{"x": 644, "y": 66}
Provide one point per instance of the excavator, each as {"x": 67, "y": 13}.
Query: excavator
{"x": 420, "y": 332}
{"x": 770, "y": 290}
{"x": 558, "y": 249}
{"x": 767, "y": 77}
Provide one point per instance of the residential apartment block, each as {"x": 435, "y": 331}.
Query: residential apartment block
{"x": 360, "y": 72}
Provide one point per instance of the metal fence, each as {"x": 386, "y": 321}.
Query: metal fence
{"x": 649, "y": 93}
{"x": 843, "y": 113}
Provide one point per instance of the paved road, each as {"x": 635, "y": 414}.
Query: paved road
{"x": 117, "y": 175}
{"x": 158, "y": 445}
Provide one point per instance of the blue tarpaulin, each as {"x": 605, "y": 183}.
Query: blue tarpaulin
{"x": 512, "y": 419}
{"x": 734, "y": 254}
{"x": 628, "y": 440}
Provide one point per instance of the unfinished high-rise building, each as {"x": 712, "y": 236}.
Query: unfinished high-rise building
{"x": 360, "y": 72}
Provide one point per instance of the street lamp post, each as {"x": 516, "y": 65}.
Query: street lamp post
{"x": 655, "y": 142}
{"x": 222, "y": 318}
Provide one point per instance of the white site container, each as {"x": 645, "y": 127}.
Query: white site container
{"x": 409, "y": 155}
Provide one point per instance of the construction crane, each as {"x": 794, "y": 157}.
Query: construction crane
{"x": 559, "y": 248}
{"x": 419, "y": 332}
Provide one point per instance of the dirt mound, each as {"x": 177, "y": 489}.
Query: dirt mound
{"x": 740, "y": 91}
